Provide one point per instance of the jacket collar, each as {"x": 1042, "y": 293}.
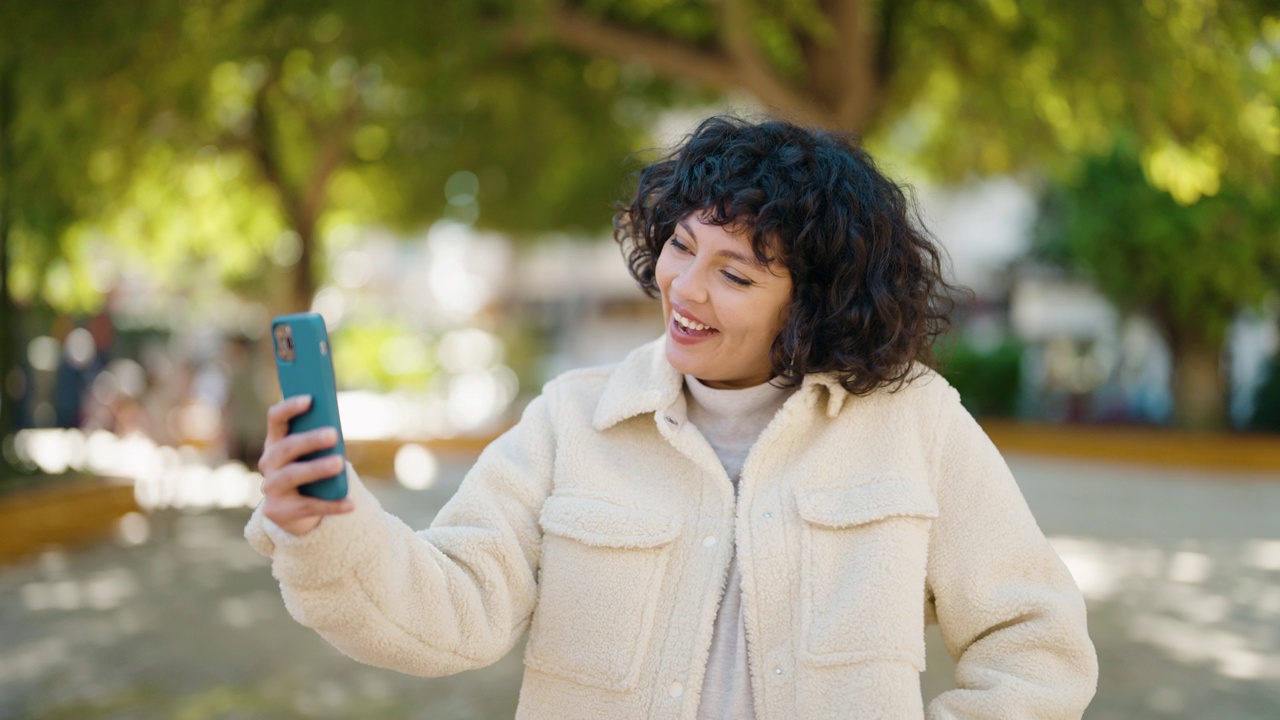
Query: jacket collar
{"x": 644, "y": 382}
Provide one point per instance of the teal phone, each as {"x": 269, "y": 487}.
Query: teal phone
{"x": 304, "y": 365}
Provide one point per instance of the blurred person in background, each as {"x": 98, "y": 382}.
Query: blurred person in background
{"x": 754, "y": 515}
{"x": 166, "y": 381}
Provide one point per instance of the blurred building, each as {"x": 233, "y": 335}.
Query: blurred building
{"x": 582, "y": 302}
{"x": 1082, "y": 360}
{"x": 485, "y": 319}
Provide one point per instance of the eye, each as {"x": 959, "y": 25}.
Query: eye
{"x": 675, "y": 243}
{"x": 736, "y": 280}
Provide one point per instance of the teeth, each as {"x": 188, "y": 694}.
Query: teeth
{"x": 687, "y": 323}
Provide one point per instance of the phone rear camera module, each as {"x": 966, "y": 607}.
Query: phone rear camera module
{"x": 284, "y": 342}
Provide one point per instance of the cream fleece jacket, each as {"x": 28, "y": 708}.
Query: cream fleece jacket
{"x": 603, "y": 527}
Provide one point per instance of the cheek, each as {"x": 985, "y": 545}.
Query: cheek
{"x": 770, "y": 317}
{"x": 662, "y": 273}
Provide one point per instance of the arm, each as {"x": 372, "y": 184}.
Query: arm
{"x": 1009, "y": 611}
{"x": 450, "y": 598}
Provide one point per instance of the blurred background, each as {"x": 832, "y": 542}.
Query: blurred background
{"x": 437, "y": 178}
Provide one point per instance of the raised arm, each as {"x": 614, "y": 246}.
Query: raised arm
{"x": 1009, "y": 611}
{"x": 450, "y": 598}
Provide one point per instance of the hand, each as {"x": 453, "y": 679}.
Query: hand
{"x": 282, "y": 472}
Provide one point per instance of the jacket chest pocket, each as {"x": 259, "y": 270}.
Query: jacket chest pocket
{"x": 865, "y": 550}
{"x": 598, "y": 585}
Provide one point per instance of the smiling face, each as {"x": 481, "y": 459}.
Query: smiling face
{"x": 723, "y": 308}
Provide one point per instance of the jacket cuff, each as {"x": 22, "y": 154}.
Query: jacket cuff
{"x": 327, "y": 552}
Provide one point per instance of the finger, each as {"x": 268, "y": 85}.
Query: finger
{"x": 294, "y": 446}
{"x": 279, "y": 414}
{"x": 286, "y": 480}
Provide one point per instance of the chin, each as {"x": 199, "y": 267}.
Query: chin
{"x": 679, "y": 359}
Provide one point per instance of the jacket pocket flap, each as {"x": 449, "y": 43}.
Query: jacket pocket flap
{"x": 880, "y": 499}
{"x": 605, "y": 524}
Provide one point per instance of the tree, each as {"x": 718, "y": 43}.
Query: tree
{"x": 963, "y": 87}
{"x": 8, "y": 334}
{"x": 289, "y": 117}
{"x": 970, "y": 86}
{"x": 55, "y": 63}
{"x": 214, "y": 141}
{"x": 1191, "y": 269}
{"x": 402, "y": 113}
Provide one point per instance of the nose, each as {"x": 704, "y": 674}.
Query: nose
{"x": 690, "y": 285}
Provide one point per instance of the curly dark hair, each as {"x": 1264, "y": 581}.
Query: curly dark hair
{"x": 869, "y": 298}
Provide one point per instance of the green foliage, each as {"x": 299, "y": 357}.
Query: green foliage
{"x": 995, "y": 86}
{"x": 382, "y": 356}
{"x": 62, "y": 58}
{"x": 989, "y": 380}
{"x": 195, "y": 138}
{"x": 224, "y": 141}
{"x": 325, "y": 114}
{"x": 1191, "y": 267}
{"x": 976, "y": 87}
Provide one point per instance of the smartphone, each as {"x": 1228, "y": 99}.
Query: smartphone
{"x": 304, "y": 365}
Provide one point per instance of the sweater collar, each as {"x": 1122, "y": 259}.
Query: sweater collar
{"x": 644, "y": 382}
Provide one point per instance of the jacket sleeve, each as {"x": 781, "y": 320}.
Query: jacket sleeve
{"x": 454, "y": 597}
{"x": 1010, "y": 613}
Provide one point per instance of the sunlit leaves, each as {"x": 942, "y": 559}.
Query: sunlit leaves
{"x": 359, "y": 112}
{"x": 1053, "y": 81}
{"x": 1188, "y": 174}
{"x": 382, "y": 356}
{"x": 214, "y": 137}
{"x": 1260, "y": 121}
{"x": 206, "y": 212}
{"x": 231, "y": 94}
{"x": 1190, "y": 265}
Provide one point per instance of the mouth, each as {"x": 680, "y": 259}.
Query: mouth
{"x": 689, "y": 327}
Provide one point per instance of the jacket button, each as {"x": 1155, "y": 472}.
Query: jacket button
{"x": 777, "y": 671}
{"x": 768, "y": 515}
{"x": 708, "y": 541}
{"x": 676, "y": 690}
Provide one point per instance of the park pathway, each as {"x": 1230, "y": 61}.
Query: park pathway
{"x": 180, "y": 619}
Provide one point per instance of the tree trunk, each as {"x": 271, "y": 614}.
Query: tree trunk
{"x": 304, "y": 273}
{"x": 9, "y": 352}
{"x": 302, "y": 204}
{"x": 1199, "y": 388}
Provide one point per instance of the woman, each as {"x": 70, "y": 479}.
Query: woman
{"x": 753, "y": 516}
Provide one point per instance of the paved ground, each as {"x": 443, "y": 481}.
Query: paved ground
{"x": 180, "y": 619}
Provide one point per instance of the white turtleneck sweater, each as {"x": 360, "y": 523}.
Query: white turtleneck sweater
{"x": 731, "y": 421}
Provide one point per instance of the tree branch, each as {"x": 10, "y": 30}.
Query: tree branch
{"x": 679, "y": 60}
{"x": 737, "y": 35}
{"x": 672, "y": 58}
{"x": 261, "y": 146}
{"x": 312, "y": 198}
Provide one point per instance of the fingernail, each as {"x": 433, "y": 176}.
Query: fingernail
{"x": 303, "y": 400}
{"x": 331, "y": 434}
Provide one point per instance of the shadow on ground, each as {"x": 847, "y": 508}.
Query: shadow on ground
{"x": 179, "y": 618}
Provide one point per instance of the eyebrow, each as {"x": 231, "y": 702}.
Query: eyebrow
{"x": 731, "y": 254}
